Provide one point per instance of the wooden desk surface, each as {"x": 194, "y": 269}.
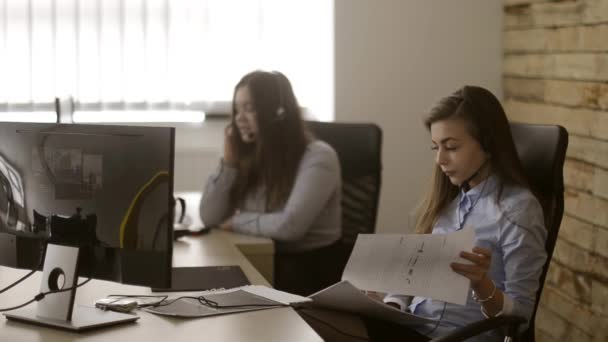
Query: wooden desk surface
{"x": 259, "y": 251}
{"x": 217, "y": 248}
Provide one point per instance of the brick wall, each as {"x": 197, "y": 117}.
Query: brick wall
{"x": 556, "y": 71}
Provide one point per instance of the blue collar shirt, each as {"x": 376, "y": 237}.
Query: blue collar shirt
{"x": 513, "y": 229}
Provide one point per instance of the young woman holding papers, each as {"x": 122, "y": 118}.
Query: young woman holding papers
{"x": 478, "y": 184}
{"x": 275, "y": 180}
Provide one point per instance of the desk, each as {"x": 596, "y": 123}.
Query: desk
{"x": 259, "y": 251}
{"x": 217, "y": 248}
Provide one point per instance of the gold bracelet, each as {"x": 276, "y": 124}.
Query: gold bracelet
{"x": 483, "y": 300}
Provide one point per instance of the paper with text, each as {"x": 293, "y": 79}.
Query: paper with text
{"x": 411, "y": 264}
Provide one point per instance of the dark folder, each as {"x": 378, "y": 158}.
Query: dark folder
{"x": 204, "y": 278}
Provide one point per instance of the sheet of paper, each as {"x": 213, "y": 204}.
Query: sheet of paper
{"x": 412, "y": 264}
{"x": 343, "y": 296}
{"x": 275, "y": 295}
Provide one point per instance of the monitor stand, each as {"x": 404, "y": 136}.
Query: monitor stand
{"x": 57, "y": 309}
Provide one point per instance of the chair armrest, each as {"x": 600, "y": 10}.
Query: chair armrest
{"x": 476, "y": 328}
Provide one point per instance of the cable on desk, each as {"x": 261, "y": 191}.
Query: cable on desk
{"x": 18, "y": 281}
{"x": 41, "y": 295}
{"x": 201, "y": 299}
{"x": 40, "y": 262}
{"x": 213, "y": 304}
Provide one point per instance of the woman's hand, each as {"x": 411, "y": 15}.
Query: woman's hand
{"x": 478, "y": 271}
{"x": 374, "y": 295}
{"x": 379, "y": 296}
{"x": 230, "y": 157}
{"x": 227, "y": 224}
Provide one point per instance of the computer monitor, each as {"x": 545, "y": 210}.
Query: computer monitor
{"x": 97, "y": 198}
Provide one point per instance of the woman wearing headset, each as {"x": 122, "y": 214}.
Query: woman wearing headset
{"x": 478, "y": 184}
{"x": 276, "y": 181}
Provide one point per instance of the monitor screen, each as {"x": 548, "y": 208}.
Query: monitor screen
{"x": 105, "y": 189}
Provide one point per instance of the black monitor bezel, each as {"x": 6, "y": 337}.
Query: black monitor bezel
{"x": 24, "y": 251}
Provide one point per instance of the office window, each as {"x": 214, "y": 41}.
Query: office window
{"x": 155, "y": 59}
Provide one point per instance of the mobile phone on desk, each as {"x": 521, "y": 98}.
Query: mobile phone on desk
{"x": 119, "y": 305}
{"x": 186, "y": 230}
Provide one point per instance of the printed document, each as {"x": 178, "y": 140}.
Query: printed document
{"x": 411, "y": 264}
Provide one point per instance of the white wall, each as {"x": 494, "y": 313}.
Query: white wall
{"x": 198, "y": 149}
{"x": 393, "y": 60}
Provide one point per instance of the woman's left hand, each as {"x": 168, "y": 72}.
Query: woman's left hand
{"x": 478, "y": 271}
{"x": 227, "y": 224}
{"x": 375, "y": 295}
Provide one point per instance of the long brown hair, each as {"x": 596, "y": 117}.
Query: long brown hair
{"x": 272, "y": 161}
{"x": 487, "y": 123}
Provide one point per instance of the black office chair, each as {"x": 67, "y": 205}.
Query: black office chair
{"x": 358, "y": 146}
{"x": 542, "y": 151}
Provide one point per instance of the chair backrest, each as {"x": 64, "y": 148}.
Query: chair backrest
{"x": 542, "y": 151}
{"x": 359, "y": 147}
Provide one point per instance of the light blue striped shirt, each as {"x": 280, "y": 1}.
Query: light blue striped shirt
{"x": 514, "y": 230}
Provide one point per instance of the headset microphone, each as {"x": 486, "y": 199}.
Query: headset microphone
{"x": 465, "y": 184}
{"x": 280, "y": 109}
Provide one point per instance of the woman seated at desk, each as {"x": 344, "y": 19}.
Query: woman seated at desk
{"x": 478, "y": 184}
{"x": 276, "y": 181}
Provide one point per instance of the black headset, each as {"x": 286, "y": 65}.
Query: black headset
{"x": 280, "y": 112}
{"x": 484, "y": 140}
